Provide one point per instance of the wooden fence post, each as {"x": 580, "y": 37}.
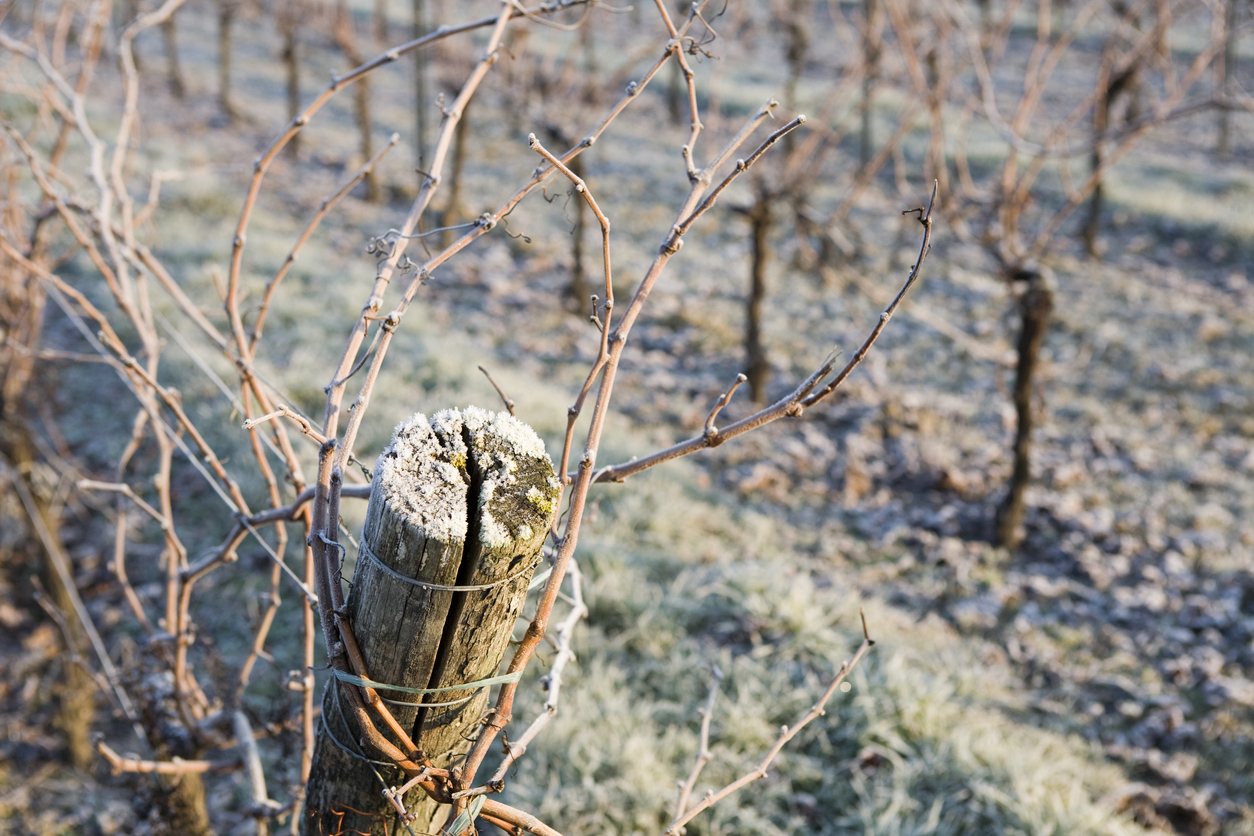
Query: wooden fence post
{"x": 459, "y": 510}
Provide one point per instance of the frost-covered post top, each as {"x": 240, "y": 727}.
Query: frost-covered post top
{"x": 469, "y": 464}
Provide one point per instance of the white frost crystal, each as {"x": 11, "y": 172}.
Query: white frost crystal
{"x": 512, "y": 433}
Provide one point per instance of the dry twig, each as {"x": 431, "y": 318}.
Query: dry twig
{"x": 786, "y": 733}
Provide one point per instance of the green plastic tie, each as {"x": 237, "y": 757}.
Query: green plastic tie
{"x": 467, "y": 817}
{"x": 363, "y": 682}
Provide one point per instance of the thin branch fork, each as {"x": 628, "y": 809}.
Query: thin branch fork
{"x": 676, "y": 47}
{"x": 741, "y": 167}
{"x": 801, "y": 398}
{"x": 703, "y": 746}
{"x": 292, "y": 511}
{"x": 723, "y": 400}
{"x": 286, "y": 412}
{"x": 177, "y": 766}
{"x": 129, "y": 493}
{"x": 247, "y": 525}
{"x": 509, "y": 404}
{"x": 581, "y": 186}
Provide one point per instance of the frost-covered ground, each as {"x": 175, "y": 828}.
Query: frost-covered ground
{"x": 1096, "y": 681}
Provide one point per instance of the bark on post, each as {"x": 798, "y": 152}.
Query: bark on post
{"x": 462, "y": 500}
{"x": 1035, "y": 307}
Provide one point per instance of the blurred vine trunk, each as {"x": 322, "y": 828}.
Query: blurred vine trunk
{"x": 577, "y": 290}
{"x": 1117, "y": 80}
{"x": 760, "y": 217}
{"x": 169, "y": 31}
{"x": 346, "y": 40}
{"x": 797, "y": 34}
{"x": 181, "y": 800}
{"x": 22, "y": 302}
{"x": 1232, "y": 10}
{"x": 381, "y": 21}
{"x": 420, "y": 89}
{"x": 289, "y": 26}
{"x": 1035, "y": 306}
{"x": 587, "y": 44}
{"x": 226, "y": 16}
{"x": 75, "y": 693}
{"x": 936, "y": 166}
{"x": 1093, "y": 221}
{"x": 452, "y": 209}
{"x": 1058, "y": 9}
{"x": 872, "y": 46}
{"x": 673, "y": 95}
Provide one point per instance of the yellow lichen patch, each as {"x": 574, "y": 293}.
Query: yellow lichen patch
{"x": 539, "y": 499}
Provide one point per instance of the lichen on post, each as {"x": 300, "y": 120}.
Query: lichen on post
{"x": 459, "y": 510}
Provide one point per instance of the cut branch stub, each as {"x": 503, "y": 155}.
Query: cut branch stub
{"x": 459, "y": 510}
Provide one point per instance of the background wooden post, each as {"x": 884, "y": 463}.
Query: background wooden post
{"x": 464, "y": 500}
